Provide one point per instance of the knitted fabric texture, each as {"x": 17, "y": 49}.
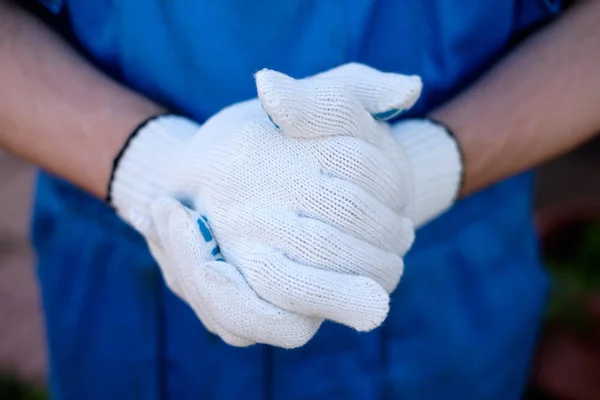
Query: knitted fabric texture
{"x": 309, "y": 203}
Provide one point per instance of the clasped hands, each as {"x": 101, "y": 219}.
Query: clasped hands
{"x": 295, "y": 207}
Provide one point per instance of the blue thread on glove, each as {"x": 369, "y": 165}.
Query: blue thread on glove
{"x": 273, "y": 122}
{"x": 204, "y": 229}
{"x": 270, "y": 119}
{"x": 208, "y": 237}
{"x": 389, "y": 114}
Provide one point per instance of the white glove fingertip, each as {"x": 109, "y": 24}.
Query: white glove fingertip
{"x": 269, "y": 85}
{"x": 233, "y": 340}
{"x": 384, "y": 95}
{"x": 355, "y": 301}
{"x": 391, "y": 96}
{"x": 374, "y": 305}
{"x": 278, "y": 93}
{"x": 237, "y": 308}
{"x": 310, "y": 108}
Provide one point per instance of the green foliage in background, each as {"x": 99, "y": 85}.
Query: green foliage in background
{"x": 575, "y": 269}
{"x": 13, "y": 389}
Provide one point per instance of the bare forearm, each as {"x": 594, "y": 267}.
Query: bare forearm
{"x": 56, "y": 110}
{"x": 541, "y": 101}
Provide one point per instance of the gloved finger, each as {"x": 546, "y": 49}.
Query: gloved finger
{"x": 385, "y": 95}
{"x": 309, "y": 108}
{"x": 311, "y": 242}
{"x": 164, "y": 211}
{"x": 364, "y": 164}
{"x": 237, "y": 308}
{"x": 161, "y": 256}
{"x": 217, "y": 289}
{"x": 145, "y": 225}
{"x": 354, "y": 211}
{"x": 355, "y": 301}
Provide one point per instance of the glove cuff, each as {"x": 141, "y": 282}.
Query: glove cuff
{"x": 142, "y": 169}
{"x": 436, "y": 163}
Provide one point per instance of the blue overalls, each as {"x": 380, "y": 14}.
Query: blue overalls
{"x": 465, "y": 316}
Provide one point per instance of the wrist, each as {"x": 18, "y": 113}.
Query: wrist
{"x": 436, "y": 163}
{"x": 143, "y": 167}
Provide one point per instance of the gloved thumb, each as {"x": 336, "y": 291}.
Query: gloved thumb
{"x": 384, "y": 95}
{"x": 217, "y": 291}
{"x": 342, "y": 101}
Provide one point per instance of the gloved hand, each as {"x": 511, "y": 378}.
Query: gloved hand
{"x": 307, "y": 219}
{"x": 428, "y": 156}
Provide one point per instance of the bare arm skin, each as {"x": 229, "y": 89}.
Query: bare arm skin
{"x": 540, "y": 101}
{"x": 56, "y": 110}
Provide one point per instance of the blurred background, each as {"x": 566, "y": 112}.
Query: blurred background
{"x": 567, "y": 363}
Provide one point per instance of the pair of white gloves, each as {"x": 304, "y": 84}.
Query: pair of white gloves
{"x": 292, "y": 208}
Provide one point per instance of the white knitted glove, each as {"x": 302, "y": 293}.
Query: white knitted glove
{"x": 435, "y": 167}
{"x": 428, "y": 158}
{"x": 307, "y": 220}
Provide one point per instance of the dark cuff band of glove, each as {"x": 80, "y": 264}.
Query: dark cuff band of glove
{"x": 121, "y": 152}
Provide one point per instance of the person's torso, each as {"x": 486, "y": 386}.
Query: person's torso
{"x": 199, "y": 56}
